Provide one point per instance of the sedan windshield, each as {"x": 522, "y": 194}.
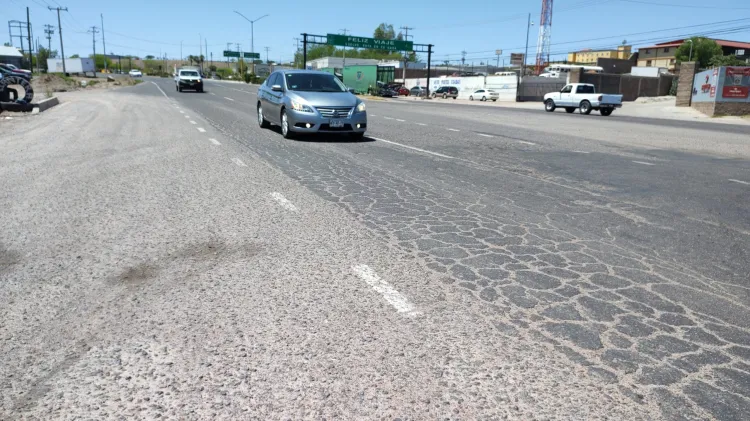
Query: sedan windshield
{"x": 188, "y": 73}
{"x": 312, "y": 82}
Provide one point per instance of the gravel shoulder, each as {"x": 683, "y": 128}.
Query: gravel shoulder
{"x": 150, "y": 272}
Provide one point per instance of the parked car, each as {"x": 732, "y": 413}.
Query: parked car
{"x": 188, "y": 79}
{"x": 12, "y": 67}
{"x": 307, "y": 101}
{"x": 418, "y": 91}
{"x": 135, "y": 73}
{"x": 7, "y": 71}
{"x": 403, "y": 91}
{"x": 484, "y": 95}
{"x": 446, "y": 92}
{"x": 387, "y": 91}
{"x": 582, "y": 96}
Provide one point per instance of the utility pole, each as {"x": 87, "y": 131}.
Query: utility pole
{"x": 229, "y": 48}
{"x": 344, "y": 51}
{"x": 267, "y": 48}
{"x": 28, "y": 36}
{"x": 498, "y": 53}
{"x": 38, "y": 69}
{"x": 59, "y": 26}
{"x": 48, "y": 31}
{"x": 239, "y": 57}
{"x": 463, "y": 61}
{"x": 526, "y": 53}
{"x": 104, "y": 46}
{"x": 94, "y": 30}
{"x": 406, "y": 57}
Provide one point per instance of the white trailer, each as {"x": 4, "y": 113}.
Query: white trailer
{"x": 72, "y": 65}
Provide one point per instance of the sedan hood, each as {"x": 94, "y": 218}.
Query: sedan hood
{"x": 325, "y": 99}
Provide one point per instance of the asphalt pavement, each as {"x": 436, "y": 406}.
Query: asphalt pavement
{"x": 461, "y": 262}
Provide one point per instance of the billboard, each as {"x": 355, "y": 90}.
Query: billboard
{"x": 736, "y": 83}
{"x": 516, "y": 59}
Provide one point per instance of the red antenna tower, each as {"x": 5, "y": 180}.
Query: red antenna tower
{"x": 545, "y": 35}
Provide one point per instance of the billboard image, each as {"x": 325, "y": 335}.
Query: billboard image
{"x": 736, "y": 83}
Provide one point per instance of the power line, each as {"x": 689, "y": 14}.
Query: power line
{"x": 684, "y": 6}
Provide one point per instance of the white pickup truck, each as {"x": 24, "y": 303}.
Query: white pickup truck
{"x": 582, "y": 96}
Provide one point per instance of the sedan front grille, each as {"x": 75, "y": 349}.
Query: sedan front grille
{"x": 334, "y": 112}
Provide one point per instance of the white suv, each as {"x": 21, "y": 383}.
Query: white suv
{"x": 188, "y": 79}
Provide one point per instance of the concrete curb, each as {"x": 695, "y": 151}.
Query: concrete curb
{"x": 45, "y": 104}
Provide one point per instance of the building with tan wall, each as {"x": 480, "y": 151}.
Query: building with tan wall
{"x": 664, "y": 54}
{"x": 591, "y": 56}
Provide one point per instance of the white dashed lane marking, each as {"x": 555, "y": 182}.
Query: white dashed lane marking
{"x": 215, "y": 142}
{"x": 739, "y": 181}
{"x": 526, "y": 143}
{"x": 239, "y": 162}
{"x": 484, "y": 135}
{"x": 454, "y": 130}
{"x": 420, "y": 124}
{"x": 286, "y": 204}
{"x": 643, "y": 163}
{"x": 201, "y": 129}
{"x": 394, "y": 298}
{"x": 229, "y": 99}
{"x": 581, "y": 152}
{"x": 413, "y": 148}
{"x": 398, "y": 119}
{"x": 388, "y": 118}
{"x": 181, "y": 112}
{"x": 193, "y": 122}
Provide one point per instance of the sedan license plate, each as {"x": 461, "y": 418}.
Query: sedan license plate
{"x": 335, "y": 124}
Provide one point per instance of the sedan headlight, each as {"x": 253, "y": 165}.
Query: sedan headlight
{"x": 361, "y": 107}
{"x": 298, "y": 106}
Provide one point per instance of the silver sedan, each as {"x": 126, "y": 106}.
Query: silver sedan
{"x": 303, "y": 101}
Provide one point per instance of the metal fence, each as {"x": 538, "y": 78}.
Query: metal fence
{"x": 631, "y": 87}
{"x": 533, "y": 88}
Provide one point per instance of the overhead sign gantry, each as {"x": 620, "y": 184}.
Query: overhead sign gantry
{"x": 367, "y": 43}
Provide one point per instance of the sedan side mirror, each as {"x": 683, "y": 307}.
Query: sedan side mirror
{"x": 276, "y": 88}
{"x": 351, "y": 90}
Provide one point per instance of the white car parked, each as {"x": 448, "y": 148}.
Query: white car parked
{"x": 582, "y": 96}
{"x": 135, "y": 73}
{"x": 484, "y": 95}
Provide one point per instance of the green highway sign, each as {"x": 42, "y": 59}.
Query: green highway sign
{"x": 369, "y": 43}
{"x": 231, "y": 53}
{"x": 251, "y": 55}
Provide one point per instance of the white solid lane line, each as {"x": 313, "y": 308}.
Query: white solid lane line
{"x": 484, "y": 135}
{"x": 215, "y": 142}
{"x": 201, "y": 129}
{"x": 157, "y": 87}
{"x": 643, "y": 163}
{"x": 238, "y": 162}
{"x": 394, "y": 298}
{"x": 227, "y": 98}
{"x": 413, "y": 148}
{"x": 454, "y": 130}
{"x": 286, "y": 204}
{"x": 739, "y": 181}
{"x": 193, "y": 122}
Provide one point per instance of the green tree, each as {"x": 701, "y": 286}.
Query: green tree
{"x": 43, "y": 55}
{"x": 99, "y": 61}
{"x": 75, "y": 56}
{"x": 384, "y": 31}
{"x": 729, "y": 60}
{"x": 150, "y": 57}
{"x": 7, "y": 44}
{"x": 704, "y": 49}
{"x": 212, "y": 68}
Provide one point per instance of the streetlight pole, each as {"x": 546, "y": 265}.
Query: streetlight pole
{"x": 690, "y": 58}
{"x": 252, "y": 33}
{"x": 525, "y": 54}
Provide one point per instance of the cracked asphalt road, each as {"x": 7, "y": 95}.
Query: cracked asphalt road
{"x": 549, "y": 266}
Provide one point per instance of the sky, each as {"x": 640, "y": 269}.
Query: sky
{"x": 157, "y": 27}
